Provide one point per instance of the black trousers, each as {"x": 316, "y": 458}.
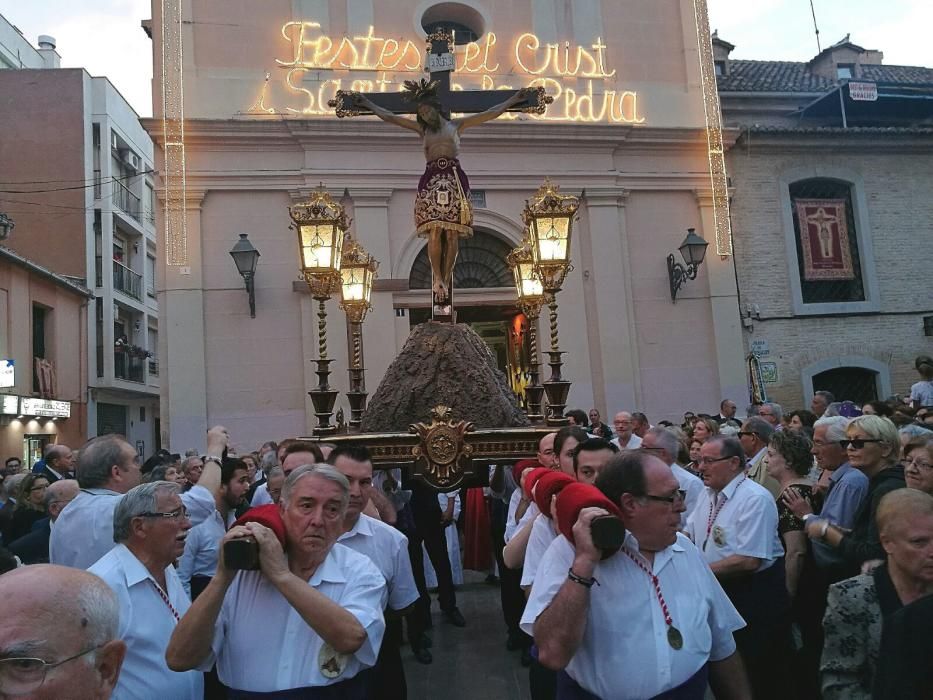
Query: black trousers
{"x": 387, "y": 678}
{"x": 429, "y": 531}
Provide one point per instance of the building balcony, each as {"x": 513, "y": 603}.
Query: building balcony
{"x": 127, "y": 281}
{"x": 129, "y": 367}
{"x": 125, "y": 200}
{"x": 153, "y": 368}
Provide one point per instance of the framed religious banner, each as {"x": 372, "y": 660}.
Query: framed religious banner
{"x": 824, "y": 239}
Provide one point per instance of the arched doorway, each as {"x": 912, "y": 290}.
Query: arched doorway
{"x": 485, "y": 300}
{"x": 856, "y": 384}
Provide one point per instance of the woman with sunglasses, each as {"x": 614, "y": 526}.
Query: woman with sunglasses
{"x": 872, "y": 447}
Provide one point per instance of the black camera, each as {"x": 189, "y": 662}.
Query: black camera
{"x": 242, "y": 554}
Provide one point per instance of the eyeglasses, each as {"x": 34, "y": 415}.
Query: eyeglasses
{"x": 39, "y": 488}
{"x": 173, "y": 515}
{"x": 679, "y": 496}
{"x": 856, "y": 444}
{"x": 917, "y": 463}
{"x": 712, "y": 460}
{"x": 22, "y": 676}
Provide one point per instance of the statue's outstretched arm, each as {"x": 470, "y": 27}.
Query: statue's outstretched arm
{"x": 384, "y": 114}
{"x": 493, "y": 112}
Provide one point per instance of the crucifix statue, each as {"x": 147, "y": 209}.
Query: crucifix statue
{"x": 443, "y": 212}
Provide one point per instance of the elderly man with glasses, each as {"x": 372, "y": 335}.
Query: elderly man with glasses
{"x": 648, "y": 621}
{"x": 150, "y": 526}
{"x": 59, "y": 639}
{"x": 735, "y": 526}
{"x": 754, "y": 437}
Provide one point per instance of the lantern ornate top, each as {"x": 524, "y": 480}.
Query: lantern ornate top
{"x": 357, "y": 272}
{"x": 319, "y": 209}
{"x": 548, "y": 201}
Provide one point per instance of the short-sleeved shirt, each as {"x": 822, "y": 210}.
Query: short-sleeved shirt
{"x": 83, "y": 532}
{"x": 542, "y": 534}
{"x": 511, "y": 525}
{"x": 693, "y": 485}
{"x": 262, "y": 644}
{"x": 625, "y": 654}
{"x": 146, "y": 625}
{"x": 387, "y": 548}
{"x": 745, "y": 524}
{"x": 922, "y": 393}
{"x": 202, "y": 549}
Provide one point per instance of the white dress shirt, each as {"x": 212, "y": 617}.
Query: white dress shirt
{"x": 693, "y": 485}
{"x": 633, "y": 443}
{"x": 746, "y": 523}
{"x": 262, "y": 644}
{"x": 387, "y": 548}
{"x": 511, "y": 526}
{"x": 261, "y": 496}
{"x": 542, "y": 534}
{"x": 625, "y": 654}
{"x": 146, "y": 625}
{"x": 202, "y": 548}
{"x": 86, "y": 532}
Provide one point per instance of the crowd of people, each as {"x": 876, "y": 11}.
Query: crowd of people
{"x": 780, "y": 555}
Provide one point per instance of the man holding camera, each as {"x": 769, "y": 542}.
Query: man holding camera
{"x": 656, "y": 622}
{"x": 387, "y": 548}
{"x": 308, "y": 621}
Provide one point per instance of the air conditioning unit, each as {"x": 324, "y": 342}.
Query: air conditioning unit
{"x": 131, "y": 159}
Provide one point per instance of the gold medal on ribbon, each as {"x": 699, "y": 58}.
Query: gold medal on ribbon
{"x": 719, "y": 536}
{"x": 331, "y": 662}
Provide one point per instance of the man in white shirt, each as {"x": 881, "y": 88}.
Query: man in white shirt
{"x": 199, "y": 562}
{"x": 625, "y": 439}
{"x": 663, "y": 444}
{"x": 311, "y": 617}
{"x": 735, "y": 527}
{"x": 149, "y": 527}
{"x": 754, "y": 437}
{"x": 387, "y": 548}
{"x": 657, "y": 621}
{"x": 108, "y": 468}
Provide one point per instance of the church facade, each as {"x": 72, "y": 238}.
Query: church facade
{"x": 632, "y": 125}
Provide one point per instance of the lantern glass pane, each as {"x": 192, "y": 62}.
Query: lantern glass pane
{"x": 316, "y": 240}
{"x": 530, "y": 284}
{"x": 353, "y": 283}
{"x": 338, "y": 248}
{"x": 552, "y": 238}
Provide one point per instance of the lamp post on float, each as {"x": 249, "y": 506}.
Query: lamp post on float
{"x": 321, "y": 224}
{"x": 549, "y": 216}
{"x": 531, "y": 296}
{"x": 357, "y": 272}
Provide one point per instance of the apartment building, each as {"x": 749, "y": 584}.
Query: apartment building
{"x": 76, "y": 173}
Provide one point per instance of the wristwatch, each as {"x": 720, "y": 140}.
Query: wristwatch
{"x": 216, "y": 460}
{"x": 808, "y": 517}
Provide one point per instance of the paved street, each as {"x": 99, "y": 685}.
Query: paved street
{"x": 472, "y": 662}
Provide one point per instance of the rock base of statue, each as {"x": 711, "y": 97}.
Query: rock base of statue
{"x": 443, "y": 364}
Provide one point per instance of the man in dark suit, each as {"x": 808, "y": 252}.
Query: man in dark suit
{"x": 33, "y": 548}
{"x": 59, "y": 463}
{"x": 727, "y": 410}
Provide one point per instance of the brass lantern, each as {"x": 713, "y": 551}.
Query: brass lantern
{"x": 357, "y": 272}
{"x": 549, "y": 216}
{"x": 527, "y": 283}
{"x": 321, "y": 224}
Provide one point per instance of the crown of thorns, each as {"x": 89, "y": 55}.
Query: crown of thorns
{"x": 421, "y": 90}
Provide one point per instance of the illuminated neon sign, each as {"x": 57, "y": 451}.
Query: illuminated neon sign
{"x": 578, "y": 77}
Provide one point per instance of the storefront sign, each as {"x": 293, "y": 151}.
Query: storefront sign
{"x": 9, "y": 405}
{"x": 7, "y": 374}
{"x": 44, "y": 407}
{"x": 579, "y": 78}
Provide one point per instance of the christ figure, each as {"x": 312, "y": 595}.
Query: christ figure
{"x": 443, "y": 212}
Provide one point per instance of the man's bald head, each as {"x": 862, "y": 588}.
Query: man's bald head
{"x": 59, "y": 495}
{"x": 61, "y": 612}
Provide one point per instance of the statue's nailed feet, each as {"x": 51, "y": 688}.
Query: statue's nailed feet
{"x": 440, "y": 292}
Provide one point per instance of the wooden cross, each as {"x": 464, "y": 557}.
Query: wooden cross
{"x": 440, "y": 63}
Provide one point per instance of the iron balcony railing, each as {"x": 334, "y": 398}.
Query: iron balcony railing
{"x": 125, "y": 200}
{"x": 127, "y": 281}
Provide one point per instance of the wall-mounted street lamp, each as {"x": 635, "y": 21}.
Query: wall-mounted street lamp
{"x": 692, "y": 250}
{"x": 245, "y": 257}
{"x": 549, "y": 216}
{"x": 531, "y": 297}
{"x": 6, "y": 226}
